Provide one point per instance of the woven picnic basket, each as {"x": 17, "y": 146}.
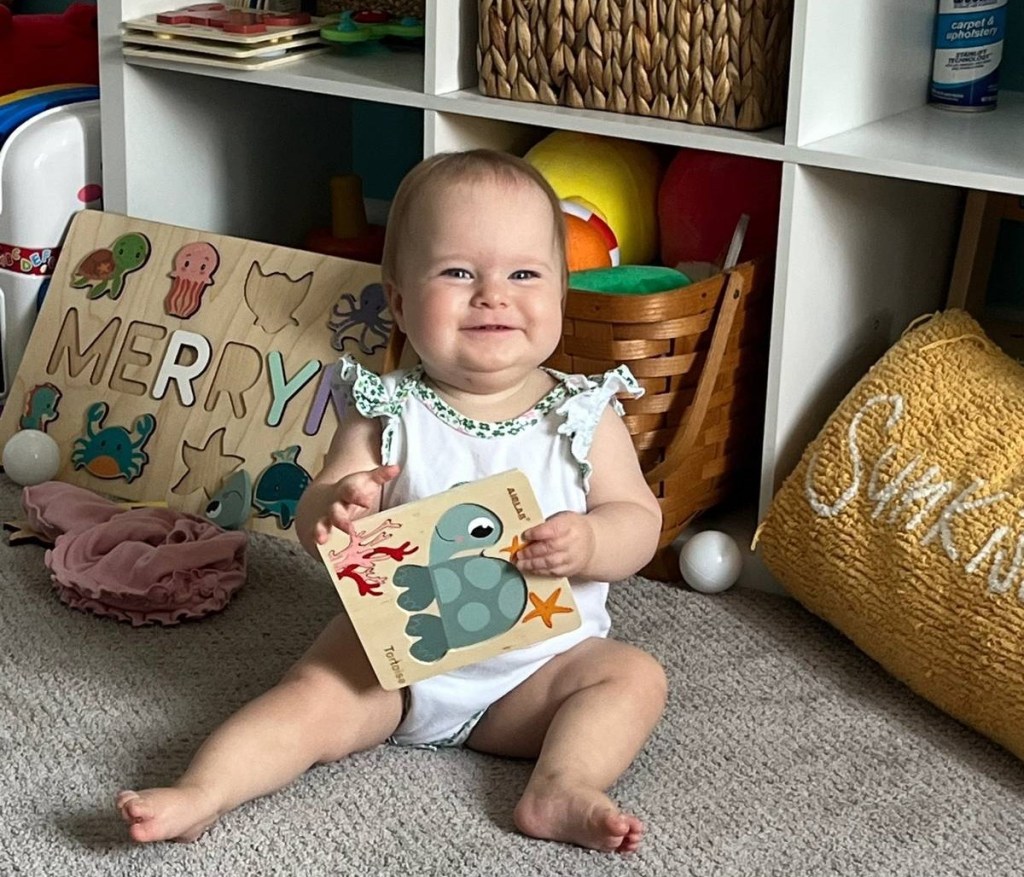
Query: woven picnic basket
{"x": 700, "y": 352}
{"x": 708, "y": 62}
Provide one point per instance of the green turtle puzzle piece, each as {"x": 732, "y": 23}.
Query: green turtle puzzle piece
{"x": 477, "y": 598}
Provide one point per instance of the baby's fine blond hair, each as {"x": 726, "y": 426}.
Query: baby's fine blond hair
{"x": 449, "y": 168}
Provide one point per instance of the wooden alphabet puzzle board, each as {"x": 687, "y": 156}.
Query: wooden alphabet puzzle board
{"x": 168, "y": 362}
{"x": 429, "y": 585}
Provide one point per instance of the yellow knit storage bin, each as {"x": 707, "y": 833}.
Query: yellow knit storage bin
{"x": 902, "y": 525}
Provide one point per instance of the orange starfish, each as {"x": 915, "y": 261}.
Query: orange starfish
{"x": 514, "y": 548}
{"x": 544, "y": 609}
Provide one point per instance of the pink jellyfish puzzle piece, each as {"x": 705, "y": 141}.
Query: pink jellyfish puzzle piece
{"x": 194, "y": 266}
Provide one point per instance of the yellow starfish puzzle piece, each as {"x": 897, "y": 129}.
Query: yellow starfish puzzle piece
{"x": 515, "y": 547}
{"x": 544, "y": 609}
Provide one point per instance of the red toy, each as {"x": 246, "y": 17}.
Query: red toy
{"x": 702, "y": 197}
{"x": 49, "y": 49}
{"x": 231, "y": 20}
{"x": 350, "y": 235}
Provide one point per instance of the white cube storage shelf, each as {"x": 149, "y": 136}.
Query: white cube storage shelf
{"x": 873, "y": 177}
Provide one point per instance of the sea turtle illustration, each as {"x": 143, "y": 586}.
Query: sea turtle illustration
{"x": 477, "y": 597}
{"x": 279, "y": 487}
{"x": 103, "y": 271}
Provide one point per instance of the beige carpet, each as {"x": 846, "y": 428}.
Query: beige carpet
{"x": 783, "y": 751}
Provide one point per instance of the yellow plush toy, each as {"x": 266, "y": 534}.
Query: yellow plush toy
{"x": 609, "y": 190}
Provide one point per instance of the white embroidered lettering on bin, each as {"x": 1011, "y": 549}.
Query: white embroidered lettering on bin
{"x": 925, "y": 487}
{"x": 824, "y": 509}
{"x": 915, "y": 500}
{"x": 883, "y": 494}
{"x": 959, "y": 507}
{"x": 975, "y": 562}
{"x": 1000, "y": 585}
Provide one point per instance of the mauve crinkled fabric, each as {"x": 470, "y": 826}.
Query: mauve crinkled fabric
{"x": 144, "y": 565}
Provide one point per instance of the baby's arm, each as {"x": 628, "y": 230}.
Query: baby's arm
{"x": 619, "y": 533}
{"x": 349, "y": 485}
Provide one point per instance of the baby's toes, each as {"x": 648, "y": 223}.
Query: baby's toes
{"x": 133, "y": 807}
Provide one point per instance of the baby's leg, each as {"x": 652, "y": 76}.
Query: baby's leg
{"x": 326, "y": 707}
{"x": 584, "y": 715}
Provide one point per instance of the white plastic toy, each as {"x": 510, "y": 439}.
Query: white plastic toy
{"x": 710, "y": 562}
{"x": 31, "y": 457}
{"x": 49, "y": 169}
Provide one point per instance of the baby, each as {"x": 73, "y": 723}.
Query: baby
{"x": 474, "y": 269}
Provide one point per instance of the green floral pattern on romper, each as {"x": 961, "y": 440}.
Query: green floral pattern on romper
{"x": 581, "y": 400}
{"x": 480, "y": 428}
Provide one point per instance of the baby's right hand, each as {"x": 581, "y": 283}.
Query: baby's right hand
{"x": 353, "y": 496}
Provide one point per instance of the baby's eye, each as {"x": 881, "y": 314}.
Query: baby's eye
{"x": 457, "y": 273}
{"x": 524, "y": 274}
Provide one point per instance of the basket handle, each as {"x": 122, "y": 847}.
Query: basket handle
{"x": 693, "y": 419}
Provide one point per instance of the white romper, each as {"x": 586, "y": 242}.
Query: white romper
{"x": 437, "y": 448}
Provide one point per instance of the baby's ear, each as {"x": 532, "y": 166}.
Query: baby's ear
{"x": 395, "y": 304}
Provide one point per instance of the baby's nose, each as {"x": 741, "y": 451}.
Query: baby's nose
{"x": 490, "y": 293}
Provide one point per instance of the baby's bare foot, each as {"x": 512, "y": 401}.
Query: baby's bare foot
{"x": 180, "y": 814}
{"x": 586, "y": 817}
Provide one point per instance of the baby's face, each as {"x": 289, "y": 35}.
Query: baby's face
{"x": 479, "y": 286}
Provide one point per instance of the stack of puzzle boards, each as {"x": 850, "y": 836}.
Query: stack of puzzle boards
{"x": 217, "y": 35}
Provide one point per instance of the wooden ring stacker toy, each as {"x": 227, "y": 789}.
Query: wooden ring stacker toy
{"x": 350, "y": 235}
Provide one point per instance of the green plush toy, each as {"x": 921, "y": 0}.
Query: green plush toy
{"x": 628, "y": 279}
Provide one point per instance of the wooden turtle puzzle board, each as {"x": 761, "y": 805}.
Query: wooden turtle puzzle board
{"x": 429, "y": 585}
{"x": 176, "y": 365}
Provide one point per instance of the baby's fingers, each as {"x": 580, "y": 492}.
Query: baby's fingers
{"x": 363, "y": 489}
{"x": 542, "y": 556}
{"x": 552, "y": 564}
{"x": 383, "y": 474}
{"x": 321, "y": 531}
{"x": 341, "y": 515}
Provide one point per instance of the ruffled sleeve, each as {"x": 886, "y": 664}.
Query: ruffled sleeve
{"x": 582, "y": 410}
{"x": 370, "y": 395}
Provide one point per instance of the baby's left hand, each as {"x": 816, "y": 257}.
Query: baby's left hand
{"x": 562, "y": 546}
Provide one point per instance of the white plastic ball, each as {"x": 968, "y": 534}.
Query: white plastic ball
{"x": 710, "y": 561}
{"x": 31, "y": 457}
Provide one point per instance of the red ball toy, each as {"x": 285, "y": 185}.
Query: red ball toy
{"x": 701, "y": 198}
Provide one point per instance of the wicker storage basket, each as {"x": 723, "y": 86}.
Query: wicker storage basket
{"x": 709, "y": 62}
{"x": 700, "y": 352}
